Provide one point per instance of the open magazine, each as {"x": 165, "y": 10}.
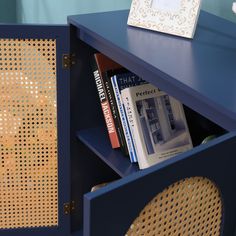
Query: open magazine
{"x": 157, "y": 122}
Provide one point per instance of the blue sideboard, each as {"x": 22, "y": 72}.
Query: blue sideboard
{"x": 199, "y": 72}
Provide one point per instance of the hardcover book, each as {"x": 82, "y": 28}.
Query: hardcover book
{"x": 101, "y": 64}
{"x": 121, "y": 81}
{"x": 158, "y": 124}
{"x": 114, "y": 109}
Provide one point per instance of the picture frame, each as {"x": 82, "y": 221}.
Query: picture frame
{"x": 176, "y": 17}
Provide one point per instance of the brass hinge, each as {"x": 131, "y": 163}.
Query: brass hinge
{"x": 68, "y": 60}
{"x": 69, "y": 207}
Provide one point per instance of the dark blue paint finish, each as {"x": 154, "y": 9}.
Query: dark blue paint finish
{"x": 42, "y": 231}
{"x": 97, "y": 140}
{"x": 78, "y": 233}
{"x": 112, "y": 209}
{"x": 87, "y": 169}
{"x": 33, "y": 31}
{"x": 200, "y": 72}
{"x": 186, "y": 69}
{"x": 61, "y": 34}
{"x": 63, "y": 127}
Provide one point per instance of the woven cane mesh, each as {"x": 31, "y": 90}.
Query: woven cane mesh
{"x": 28, "y": 134}
{"x": 190, "y": 207}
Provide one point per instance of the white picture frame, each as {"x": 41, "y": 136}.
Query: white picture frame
{"x": 176, "y": 17}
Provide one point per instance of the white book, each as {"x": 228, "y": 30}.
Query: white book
{"x": 125, "y": 125}
{"x": 157, "y": 122}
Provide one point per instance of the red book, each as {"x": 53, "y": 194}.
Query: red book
{"x": 101, "y": 64}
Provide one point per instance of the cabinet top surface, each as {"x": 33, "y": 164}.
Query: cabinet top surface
{"x": 203, "y": 67}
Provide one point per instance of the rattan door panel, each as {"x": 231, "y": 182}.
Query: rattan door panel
{"x": 183, "y": 196}
{"x": 28, "y": 134}
{"x": 191, "y": 206}
{"x": 29, "y": 161}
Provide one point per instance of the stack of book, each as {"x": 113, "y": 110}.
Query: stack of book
{"x": 144, "y": 122}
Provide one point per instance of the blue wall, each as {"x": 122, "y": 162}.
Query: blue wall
{"x": 56, "y": 11}
{"x": 8, "y": 11}
{"x": 221, "y": 8}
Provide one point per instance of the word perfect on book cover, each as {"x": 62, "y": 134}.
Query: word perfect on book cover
{"x": 158, "y": 124}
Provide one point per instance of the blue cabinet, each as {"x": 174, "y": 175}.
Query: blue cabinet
{"x": 58, "y": 92}
{"x": 200, "y": 73}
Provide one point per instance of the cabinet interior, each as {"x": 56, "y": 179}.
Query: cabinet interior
{"x": 93, "y": 161}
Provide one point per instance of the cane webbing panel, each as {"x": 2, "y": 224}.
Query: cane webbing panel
{"x": 190, "y": 207}
{"x": 28, "y": 134}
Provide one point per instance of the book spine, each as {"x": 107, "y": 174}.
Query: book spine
{"x": 115, "y": 113}
{"x": 113, "y": 136}
{"x": 129, "y": 111}
{"x": 129, "y": 104}
{"x": 125, "y": 125}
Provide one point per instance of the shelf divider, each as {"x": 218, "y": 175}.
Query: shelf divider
{"x": 97, "y": 140}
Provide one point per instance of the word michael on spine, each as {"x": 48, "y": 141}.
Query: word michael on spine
{"x": 106, "y": 110}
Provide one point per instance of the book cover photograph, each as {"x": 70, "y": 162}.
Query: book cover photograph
{"x": 159, "y": 126}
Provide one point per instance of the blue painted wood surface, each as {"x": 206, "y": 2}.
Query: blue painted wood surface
{"x": 186, "y": 69}
{"x": 87, "y": 169}
{"x": 97, "y": 140}
{"x": 112, "y": 209}
{"x": 77, "y": 233}
{"x": 200, "y": 72}
{"x": 61, "y": 34}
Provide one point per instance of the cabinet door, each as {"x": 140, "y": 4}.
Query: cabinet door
{"x": 34, "y": 130}
{"x": 207, "y": 172}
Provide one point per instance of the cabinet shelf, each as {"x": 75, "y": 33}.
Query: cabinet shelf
{"x": 96, "y": 139}
{"x": 193, "y": 71}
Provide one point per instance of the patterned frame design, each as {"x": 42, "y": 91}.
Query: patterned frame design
{"x": 181, "y": 22}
